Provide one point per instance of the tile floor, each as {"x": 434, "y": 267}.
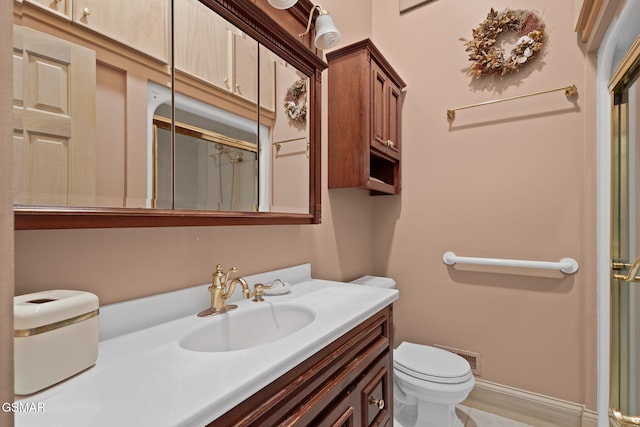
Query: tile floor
{"x": 472, "y": 417}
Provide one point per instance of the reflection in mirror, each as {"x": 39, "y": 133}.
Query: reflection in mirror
{"x": 78, "y": 80}
{"x": 94, "y": 138}
{"x": 54, "y": 120}
{"x": 215, "y": 159}
{"x": 289, "y": 134}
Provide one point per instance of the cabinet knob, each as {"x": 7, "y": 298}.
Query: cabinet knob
{"x": 86, "y": 11}
{"x": 389, "y": 143}
{"x": 377, "y": 402}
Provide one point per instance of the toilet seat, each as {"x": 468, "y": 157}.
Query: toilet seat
{"x": 431, "y": 364}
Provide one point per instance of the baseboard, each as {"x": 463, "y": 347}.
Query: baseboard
{"x": 531, "y": 408}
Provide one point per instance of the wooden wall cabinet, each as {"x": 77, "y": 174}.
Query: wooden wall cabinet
{"x": 214, "y": 51}
{"x": 365, "y": 119}
{"x": 200, "y": 36}
{"x": 57, "y": 7}
{"x": 142, "y": 25}
{"x": 348, "y": 383}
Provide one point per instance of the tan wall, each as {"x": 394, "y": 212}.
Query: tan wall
{"x": 6, "y": 215}
{"x": 513, "y": 180}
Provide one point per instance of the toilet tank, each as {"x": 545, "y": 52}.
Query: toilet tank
{"x": 377, "y": 281}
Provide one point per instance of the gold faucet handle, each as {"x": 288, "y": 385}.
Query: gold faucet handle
{"x": 231, "y": 270}
{"x": 258, "y": 291}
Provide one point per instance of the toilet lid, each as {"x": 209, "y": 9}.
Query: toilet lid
{"x": 431, "y": 364}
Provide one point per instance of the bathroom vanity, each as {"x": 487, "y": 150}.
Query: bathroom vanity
{"x": 347, "y": 383}
{"x": 318, "y": 355}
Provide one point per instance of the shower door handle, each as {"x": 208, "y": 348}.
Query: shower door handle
{"x": 631, "y": 276}
{"x": 624, "y": 420}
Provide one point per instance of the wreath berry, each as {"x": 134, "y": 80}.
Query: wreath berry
{"x": 488, "y": 59}
{"x": 295, "y": 101}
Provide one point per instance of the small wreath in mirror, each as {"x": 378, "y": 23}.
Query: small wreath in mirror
{"x": 488, "y": 59}
{"x": 295, "y": 101}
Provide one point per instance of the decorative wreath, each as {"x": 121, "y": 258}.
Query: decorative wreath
{"x": 295, "y": 101}
{"x": 488, "y": 59}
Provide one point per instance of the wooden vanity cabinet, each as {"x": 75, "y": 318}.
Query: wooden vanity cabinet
{"x": 341, "y": 385}
{"x": 365, "y": 119}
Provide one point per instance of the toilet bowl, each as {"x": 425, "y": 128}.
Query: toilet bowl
{"x": 428, "y": 381}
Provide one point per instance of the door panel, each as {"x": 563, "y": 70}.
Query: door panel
{"x": 54, "y": 137}
{"x": 141, "y": 24}
{"x": 203, "y": 47}
{"x": 379, "y": 105}
{"x": 625, "y": 250}
{"x": 395, "y": 99}
{"x": 245, "y": 54}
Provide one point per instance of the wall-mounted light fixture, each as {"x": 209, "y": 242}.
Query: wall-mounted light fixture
{"x": 327, "y": 35}
{"x": 282, "y": 4}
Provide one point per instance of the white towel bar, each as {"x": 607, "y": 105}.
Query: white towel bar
{"x": 566, "y": 265}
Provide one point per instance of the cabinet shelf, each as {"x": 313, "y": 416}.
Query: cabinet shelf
{"x": 365, "y": 120}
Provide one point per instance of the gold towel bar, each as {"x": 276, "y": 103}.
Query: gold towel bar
{"x": 279, "y": 143}
{"x": 568, "y": 91}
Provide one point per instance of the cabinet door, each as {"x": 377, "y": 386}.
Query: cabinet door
{"x": 386, "y": 108}
{"x": 394, "y": 119}
{"x": 58, "y": 7}
{"x": 267, "y": 79}
{"x": 379, "y": 109}
{"x": 202, "y": 43}
{"x": 142, "y": 24}
{"x": 245, "y": 67}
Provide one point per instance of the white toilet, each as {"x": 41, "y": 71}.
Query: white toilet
{"x": 428, "y": 381}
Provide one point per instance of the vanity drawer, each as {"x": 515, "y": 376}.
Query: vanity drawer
{"x": 376, "y": 393}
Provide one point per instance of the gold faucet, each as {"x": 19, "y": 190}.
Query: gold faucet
{"x": 220, "y": 292}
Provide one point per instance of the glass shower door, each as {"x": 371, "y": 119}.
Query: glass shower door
{"x": 625, "y": 246}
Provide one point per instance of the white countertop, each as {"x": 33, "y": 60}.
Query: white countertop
{"x": 144, "y": 378}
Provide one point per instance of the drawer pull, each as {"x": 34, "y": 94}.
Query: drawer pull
{"x": 379, "y": 403}
{"x": 86, "y": 11}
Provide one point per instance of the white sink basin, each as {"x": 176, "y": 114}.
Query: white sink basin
{"x": 248, "y": 327}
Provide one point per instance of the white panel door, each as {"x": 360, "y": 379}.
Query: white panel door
{"x": 54, "y": 120}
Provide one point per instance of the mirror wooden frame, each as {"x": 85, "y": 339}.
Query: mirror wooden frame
{"x": 261, "y": 23}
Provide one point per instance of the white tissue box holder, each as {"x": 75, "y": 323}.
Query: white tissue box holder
{"x": 55, "y": 337}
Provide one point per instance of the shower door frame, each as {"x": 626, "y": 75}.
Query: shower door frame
{"x": 624, "y": 245}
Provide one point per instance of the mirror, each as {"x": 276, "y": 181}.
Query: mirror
{"x": 110, "y": 132}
